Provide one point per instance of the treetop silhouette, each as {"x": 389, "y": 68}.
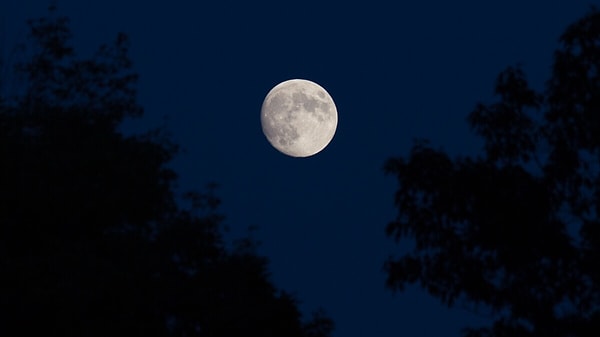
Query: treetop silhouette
{"x": 92, "y": 239}
{"x": 514, "y": 231}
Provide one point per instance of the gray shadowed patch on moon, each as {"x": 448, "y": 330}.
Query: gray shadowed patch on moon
{"x": 311, "y": 105}
{"x": 285, "y": 133}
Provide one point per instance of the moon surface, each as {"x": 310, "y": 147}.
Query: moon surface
{"x": 299, "y": 118}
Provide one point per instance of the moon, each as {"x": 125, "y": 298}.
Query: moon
{"x": 299, "y": 117}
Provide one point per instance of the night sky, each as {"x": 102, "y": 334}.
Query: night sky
{"x": 396, "y": 73}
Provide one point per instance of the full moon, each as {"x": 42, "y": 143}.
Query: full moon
{"x": 298, "y": 118}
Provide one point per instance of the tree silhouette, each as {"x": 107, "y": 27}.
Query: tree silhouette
{"x": 514, "y": 232}
{"x": 92, "y": 240}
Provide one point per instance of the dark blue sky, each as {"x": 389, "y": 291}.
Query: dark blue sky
{"x": 396, "y": 72}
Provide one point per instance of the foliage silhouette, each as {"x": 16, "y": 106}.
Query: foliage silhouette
{"x": 92, "y": 240}
{"x": 515, "y": 231}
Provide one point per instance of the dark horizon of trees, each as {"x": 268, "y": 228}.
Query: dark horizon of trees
{"x": 93, "y": 241}
{"x": 514, "y": 231}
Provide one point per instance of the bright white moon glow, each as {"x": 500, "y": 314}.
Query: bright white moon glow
{"x": 298, "y": 118}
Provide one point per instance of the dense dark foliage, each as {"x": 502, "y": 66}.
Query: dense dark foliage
{"x": 515, "y": 231}
{"x": 92, "y": 240}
